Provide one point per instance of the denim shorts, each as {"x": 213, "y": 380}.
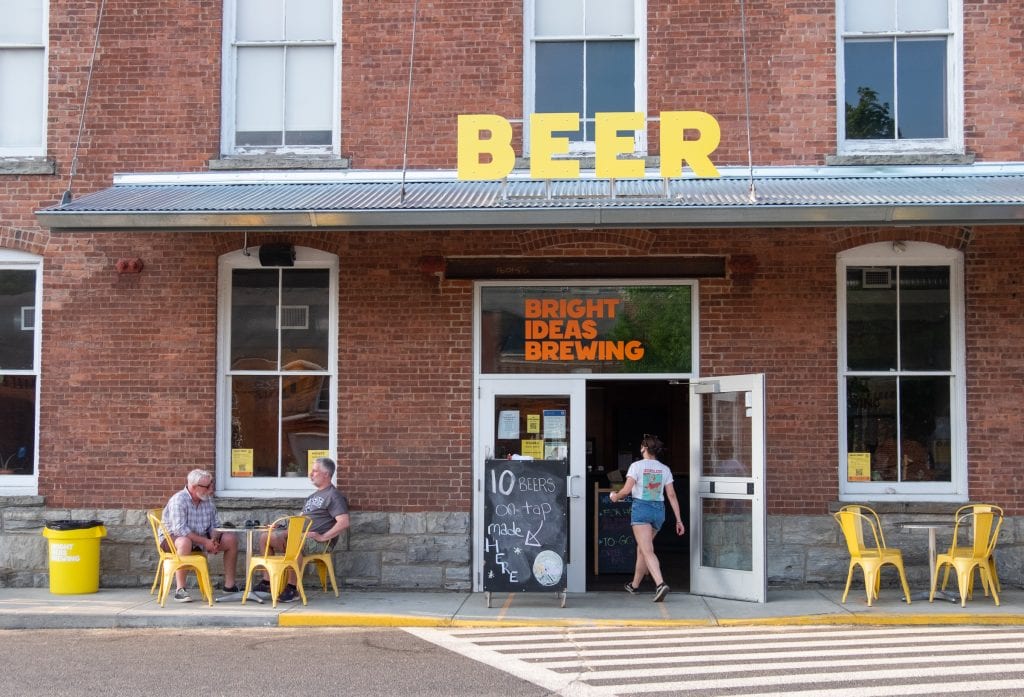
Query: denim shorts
{"x": 648, "y": 512}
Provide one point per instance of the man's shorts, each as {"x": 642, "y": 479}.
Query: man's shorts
{"x": 315, "y": 546}
{"x": 648, "y": 513}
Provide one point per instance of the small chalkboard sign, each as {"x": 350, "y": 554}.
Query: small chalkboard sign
{"x": 614, "y": 544}
{"x": 525, "y": 525}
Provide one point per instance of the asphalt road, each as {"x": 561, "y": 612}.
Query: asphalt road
{"x": 251, "y": 662}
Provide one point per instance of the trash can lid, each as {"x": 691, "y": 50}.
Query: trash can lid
{"x": 73, "y": 524}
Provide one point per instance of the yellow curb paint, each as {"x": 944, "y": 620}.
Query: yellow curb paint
{"x": 370, "y": 620}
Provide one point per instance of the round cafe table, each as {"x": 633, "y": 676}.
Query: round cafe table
{"x": 931, "y": 526}
{"x": 258, "y": 596}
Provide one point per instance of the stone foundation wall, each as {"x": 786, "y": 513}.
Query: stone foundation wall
{"x": 429, "y": 551}
{"x": 432, "y": 551}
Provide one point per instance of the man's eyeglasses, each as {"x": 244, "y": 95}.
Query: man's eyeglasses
{"x": 208, "y": 485}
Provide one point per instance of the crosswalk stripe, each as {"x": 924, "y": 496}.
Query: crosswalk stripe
{"x": 670, "y": 667}
{"x": 705, "y": 651}
{"x": 975, "y": 687}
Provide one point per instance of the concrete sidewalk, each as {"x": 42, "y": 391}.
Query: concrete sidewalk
{"x": 37, "y": 608}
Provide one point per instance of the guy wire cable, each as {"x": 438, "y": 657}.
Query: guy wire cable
{"x": 408, "y": 98}
{"x": 66, "y": 197}
{"x": 746, "y": 97}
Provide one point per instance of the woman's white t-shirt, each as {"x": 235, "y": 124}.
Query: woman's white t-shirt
{"x": 651, "y": 477}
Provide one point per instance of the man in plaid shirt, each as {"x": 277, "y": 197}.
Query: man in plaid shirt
{"x": 191, "y": 518}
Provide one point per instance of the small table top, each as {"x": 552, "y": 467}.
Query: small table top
{"x": 925, "y": 524}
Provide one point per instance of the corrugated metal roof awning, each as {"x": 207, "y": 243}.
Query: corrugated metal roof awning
{"x": 766, "y": 197}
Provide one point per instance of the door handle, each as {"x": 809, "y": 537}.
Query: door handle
{"x": 568, "y": 487}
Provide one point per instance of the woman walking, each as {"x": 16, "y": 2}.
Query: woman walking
{"x": 650, "y": 482}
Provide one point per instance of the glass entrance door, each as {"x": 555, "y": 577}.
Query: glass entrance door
{"x": 542, "y": 420}
{"x": 727, "y": 490}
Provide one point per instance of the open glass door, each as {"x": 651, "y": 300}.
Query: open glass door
{"x": 727, "y": 487}
{"x": 544, "y": 420}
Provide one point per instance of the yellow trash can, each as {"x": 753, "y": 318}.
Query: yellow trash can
{"x": 74, "y": 555}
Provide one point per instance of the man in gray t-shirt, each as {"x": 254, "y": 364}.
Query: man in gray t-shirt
{"x": 327, "y": 508}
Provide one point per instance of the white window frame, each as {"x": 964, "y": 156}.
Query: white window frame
{"x": 954, "y": 142}
{"x": 229, "y": 76}
{"x": 266, "y": 487}
{"x": 639, "y": 74}
{"x": 909, "y": 254}
{"x": 35, "y": 150}
{"x": 27, "y": 484}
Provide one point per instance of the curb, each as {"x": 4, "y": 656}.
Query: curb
{"x": 374, "y": 620}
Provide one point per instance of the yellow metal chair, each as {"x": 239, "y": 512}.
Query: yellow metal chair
{"x": 171, "y": 561}
{"x": 978, "y": 507}
{"x": 278, "y": 565}
{"x": 978, "y": 555}
{"x": 158, "y": 513}
{"x": 324, "y": 563}
{"x": 854, "y": 521}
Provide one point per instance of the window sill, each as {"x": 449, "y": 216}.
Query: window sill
{"x": 900, "y": 159}
{"x": 908, "y": 507}
{"x": 589, "y": 160}
{"x": 27, "y": 165}
{"x": 252, "y": 162}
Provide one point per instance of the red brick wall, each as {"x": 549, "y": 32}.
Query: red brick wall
{"x": 128, "y": 361}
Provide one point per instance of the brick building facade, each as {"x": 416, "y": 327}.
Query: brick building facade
{"x": 129, "y": 384}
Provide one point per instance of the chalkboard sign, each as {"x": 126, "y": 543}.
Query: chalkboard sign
{"x": 614, "y": 544}
{"x": 525, "y": 525}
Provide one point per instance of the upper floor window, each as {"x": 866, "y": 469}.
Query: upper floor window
{"x": 585, "y": 57}
{"x": 20, "y": 293}
{"x": 278, "y": 381}
{"x": 899, "y": 63}
{"x": 23, "y": 42}
{"x": 281, "y": 76}
{"x": 902, "y": 396}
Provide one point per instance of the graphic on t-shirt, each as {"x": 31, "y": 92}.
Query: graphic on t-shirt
{"x": 314, "y": 503}
{"x": 651, "y": 485}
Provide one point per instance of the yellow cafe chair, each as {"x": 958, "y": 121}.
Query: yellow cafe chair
{"x": 965, "y": 558}
{"x": 324, "y": 563}
{"x": 158, "y": 513}
{"x": 171, "y": 561}
{"x": 278, "y": 565}
{"x": 992, "y": 558}
{"x": 855, "y": 522}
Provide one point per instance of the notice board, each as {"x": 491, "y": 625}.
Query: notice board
{"x": 526, "y": 533}
{"x": 614, "y": 544}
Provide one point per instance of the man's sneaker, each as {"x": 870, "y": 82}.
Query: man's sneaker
{"x": 630, "y": 588}
{"x": 230, "y": 589}
{"x": 263, "y": 586}
{"x": 181, "y": 595}
{"x": 660, "y": 593}
{"x": 288, "y": 595}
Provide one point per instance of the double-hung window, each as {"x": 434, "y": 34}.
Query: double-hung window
{"x": 900, "y": 76}
{"x": 282, "y": 67}
{"x": 277, "y": 369}
{"x": 23, "y": 45}
{"x": 20, "y": 293}
{"x": 901, "y": 368}
{"x": 585, "y": 57}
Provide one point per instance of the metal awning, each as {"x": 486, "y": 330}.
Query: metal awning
{"x": 372, "y": 200}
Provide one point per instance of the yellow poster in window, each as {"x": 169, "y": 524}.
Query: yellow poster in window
{"x": 533, "y": 448}
{"x": 312, "y": 455}
{"x": 241, "y": 462}
{"x": 858, "y": 467}
{"x": 533, "y": 423}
